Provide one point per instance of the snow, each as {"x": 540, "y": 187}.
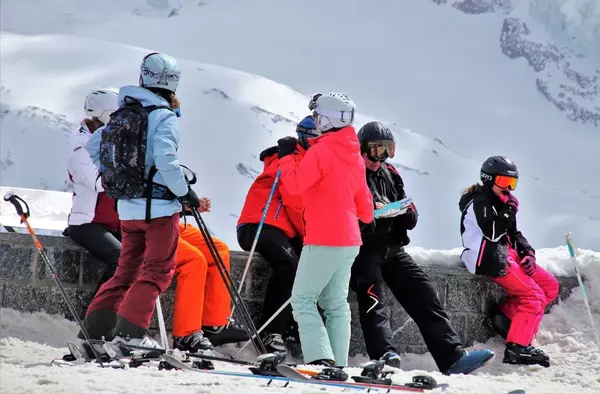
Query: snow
{"x": 457, "y": 81}
{"x": 28, "y": 341}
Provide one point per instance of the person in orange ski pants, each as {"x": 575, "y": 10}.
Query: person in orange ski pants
{"x": 202, "y": 302}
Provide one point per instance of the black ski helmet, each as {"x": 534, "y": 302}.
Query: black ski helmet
{"x": 497, "y": 165}
{"x": 373, "y": 131}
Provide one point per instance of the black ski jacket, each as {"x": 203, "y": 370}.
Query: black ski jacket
{"x": 486, "y": 233}
{"x": 386, "y": 184}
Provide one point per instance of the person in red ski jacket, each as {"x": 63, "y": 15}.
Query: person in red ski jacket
{"x": 495, "y": 247}
{"x": 332, "y": 183}
{"x": 280, "y": 239}
{"x": 93, "y": 220}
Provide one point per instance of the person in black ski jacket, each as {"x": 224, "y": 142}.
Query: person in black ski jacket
{"x": 494, "y": 247}
{"x": 382, "y": 258}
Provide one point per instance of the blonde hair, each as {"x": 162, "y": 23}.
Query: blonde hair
{"x": 471, "y": 189}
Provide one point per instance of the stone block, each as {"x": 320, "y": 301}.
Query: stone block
{"x": 477, "y": 329}
{"x": 66, "y": 262}
{"x": 79, "y": 298}
{"x": 460, "y": 324}
{"x": 1, "y": 292}
{"x": 167, "y": 301}
{"x": 17, "y": 262}
{"x": 25, "y": 298}
{"x": 92, "y": 270}
{"x": 466, "y": 295}
{"x": 256, "y": 287}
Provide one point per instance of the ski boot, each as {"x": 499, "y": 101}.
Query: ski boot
{"x": 221, "y": 335}
{"x": 470, "y": 361}
{"x": 525, "y": 355}
{"x": 274, "y": 343}
{"x": 195, "y": 343}
{"x": 392, "y": 359}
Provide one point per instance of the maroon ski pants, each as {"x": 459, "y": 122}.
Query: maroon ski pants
{"x": 146, "y": 267}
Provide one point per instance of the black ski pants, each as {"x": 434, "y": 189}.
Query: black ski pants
{"x": 413, "y": 289}
{"x": 282, "y": 254}
{"x": 103, "y": 244}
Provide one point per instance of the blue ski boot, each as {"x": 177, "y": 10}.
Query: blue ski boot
{"x": 392, "y": 359}
{"x": 470, "y": 361}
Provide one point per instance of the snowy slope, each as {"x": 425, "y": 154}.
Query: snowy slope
{"x": 29, "y": 341}
{"x": 229, "y": 117}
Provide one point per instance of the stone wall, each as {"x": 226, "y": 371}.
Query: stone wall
{"x": 26, "y": 285}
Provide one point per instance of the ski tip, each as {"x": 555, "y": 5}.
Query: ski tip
{"x": 518, "y": 391}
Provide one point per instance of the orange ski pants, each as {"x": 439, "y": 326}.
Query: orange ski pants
{"x": 201, "y": 298}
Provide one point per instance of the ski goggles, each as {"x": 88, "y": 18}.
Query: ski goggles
{"x": 380, "y": 150}
{"x": 506, "y": 182}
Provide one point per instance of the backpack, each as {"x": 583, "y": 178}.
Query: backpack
{"x": 123, "y": 156}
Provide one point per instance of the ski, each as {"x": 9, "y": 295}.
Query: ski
{"x": 295, "y": 374}
{"x": 378, "y": 373}
{"x": 183, "y": 366}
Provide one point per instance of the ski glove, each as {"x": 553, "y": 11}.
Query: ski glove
{"x": 528, "y": 264}
{"x": 366, "y": 227}
{"x": 287, "y": 145}
{"x": 191, "y": 199}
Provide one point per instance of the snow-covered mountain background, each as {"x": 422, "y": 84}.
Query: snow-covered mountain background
{"x": 457, "y": 80}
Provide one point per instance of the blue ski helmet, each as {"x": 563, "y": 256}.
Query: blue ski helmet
{"x": 306, "y": 128}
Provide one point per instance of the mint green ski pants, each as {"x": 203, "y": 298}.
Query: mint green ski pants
{"x": 323, "y": 276}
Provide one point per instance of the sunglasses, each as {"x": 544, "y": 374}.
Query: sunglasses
{"x": 506, "y": 182}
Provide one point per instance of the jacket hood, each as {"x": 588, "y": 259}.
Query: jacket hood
{"x": 80, "y": 136}
{"x": 143, "y": 95}
{"x": 344, "y": 143}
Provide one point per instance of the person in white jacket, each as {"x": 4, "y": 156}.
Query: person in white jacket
{"x": 93, "y": 220}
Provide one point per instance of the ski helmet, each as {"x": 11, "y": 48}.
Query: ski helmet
{"x": 306, "y": 128}
{"x": 101, "y": 103}
{"x": 499, "y": 171}
{"x": 159, "y": 70}
{"x": 333, "y": 111}
{"x": 377, "y": 141}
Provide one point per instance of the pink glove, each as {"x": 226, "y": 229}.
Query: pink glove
{"x": 528, "y": 264}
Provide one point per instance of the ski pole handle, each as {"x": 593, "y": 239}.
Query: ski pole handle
{"x": 16, "y": 202}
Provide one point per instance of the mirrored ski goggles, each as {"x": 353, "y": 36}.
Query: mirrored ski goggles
{"x": 380, "y": 150}
{"x": 506, "y": 182}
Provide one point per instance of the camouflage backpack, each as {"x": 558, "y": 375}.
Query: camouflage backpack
{"x": 123, "y": 155}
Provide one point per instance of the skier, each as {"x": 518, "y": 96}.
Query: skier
{"x": 148, "y": 206}
{"x": 280, "y": 240}
{"x": 382, "y": 258}
{"x": 496, "y": 248}
{"x": 93, "y": 221}
{"x": 333, "y": 188}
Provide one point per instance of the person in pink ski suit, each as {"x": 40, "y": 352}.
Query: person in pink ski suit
{"x": 493, "y": 246}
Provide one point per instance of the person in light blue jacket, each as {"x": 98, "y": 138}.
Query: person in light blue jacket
{"x": 123, "y": 306}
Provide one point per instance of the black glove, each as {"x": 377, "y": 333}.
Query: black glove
{"x": 366, "y": 227}
{"x": 287, "y": 145}
{"x": 191, "y": 199}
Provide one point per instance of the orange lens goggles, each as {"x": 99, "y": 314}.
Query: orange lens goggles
{"x": 504, "y": 182}
{"x": 379, "y": 149}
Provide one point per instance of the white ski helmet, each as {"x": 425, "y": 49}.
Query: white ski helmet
{"x": 101, "y": 103}
{"x": 334, "y": 111}
{"x": 159, "y": 70}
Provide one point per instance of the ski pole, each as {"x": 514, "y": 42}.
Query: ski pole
{"x": 161, "y": 324}
{"x": 573, "y": 251}
{"x": 277, "y": 312}
{"x": 16, "y": 202}
{"x": 233, "y": 293}
{"x": 255, "y": 242}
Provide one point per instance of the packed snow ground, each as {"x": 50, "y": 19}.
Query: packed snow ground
{"x": 28, "y": 341}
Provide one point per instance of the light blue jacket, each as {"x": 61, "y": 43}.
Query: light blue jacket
{"x": 161, "y": 151}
